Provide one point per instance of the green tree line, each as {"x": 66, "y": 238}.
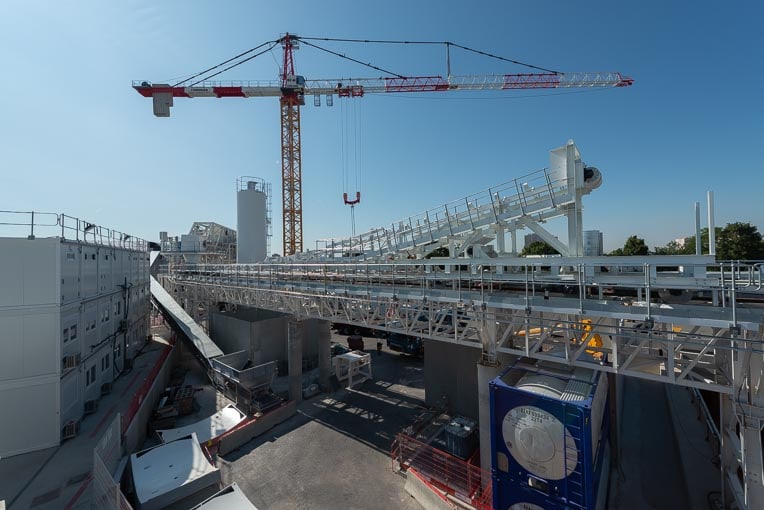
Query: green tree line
{"x": 734, "y": 241}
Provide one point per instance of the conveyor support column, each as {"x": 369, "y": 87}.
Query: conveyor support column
{"x": 324, "y": 354}
{"x": 294, "y": 352}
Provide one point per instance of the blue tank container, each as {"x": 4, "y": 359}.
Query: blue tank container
{"x": 508, "y": 495}
{"x": 549, "y": 424}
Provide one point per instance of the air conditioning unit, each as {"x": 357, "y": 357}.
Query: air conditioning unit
{"x": 71, "y": 429}
{"x": 105, "y": 388}
{"x": 71, "y": 361}
{"x": 91, "y": 406}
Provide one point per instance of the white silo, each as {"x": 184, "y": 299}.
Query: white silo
{"x": 252, "y": 219}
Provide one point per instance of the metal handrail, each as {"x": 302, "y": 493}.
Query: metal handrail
{"x": 70, "y": 227}
{"x": 534, "y": 190}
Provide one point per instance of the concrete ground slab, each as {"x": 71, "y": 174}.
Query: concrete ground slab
{"x": 335, "y": 453}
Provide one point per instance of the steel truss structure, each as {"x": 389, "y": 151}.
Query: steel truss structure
{"x": 684, "y": 320}
{"x": 525, "y": 309}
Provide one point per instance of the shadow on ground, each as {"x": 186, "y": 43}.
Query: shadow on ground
{"x": 371, "y": 413}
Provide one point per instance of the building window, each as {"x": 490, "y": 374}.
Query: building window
{"x": 118, "y": 308}
{"x": 73, "y": 332}
{"x": 104, "y": 363}
{"x": 65, "y": 335}
{"x": 90, "y": 376}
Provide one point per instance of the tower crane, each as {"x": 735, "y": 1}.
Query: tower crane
{"x": 292, "y": 88}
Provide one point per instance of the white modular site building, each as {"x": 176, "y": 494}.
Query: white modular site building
{"x": 74, "y": 310}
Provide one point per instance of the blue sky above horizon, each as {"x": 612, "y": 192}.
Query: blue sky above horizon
{"x": 76, "y": 138}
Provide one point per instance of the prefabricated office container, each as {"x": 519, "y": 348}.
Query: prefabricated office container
{"x": 548, "y": 426}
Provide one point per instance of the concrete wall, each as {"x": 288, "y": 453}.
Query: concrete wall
{"x": 135, "y": 434}
{"x": 237, "y": 437}
{"x": 264, "y": 334}
{"x": 450, "y": 371}
{"x": 311, "y": 334}
{"x": 268, "y": 340}
{"x": 229, "y": 333}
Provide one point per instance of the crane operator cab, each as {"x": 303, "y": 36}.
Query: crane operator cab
{"x": 294, "y": 84}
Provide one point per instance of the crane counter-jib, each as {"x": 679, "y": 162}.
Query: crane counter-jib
{"x": 360, "y": 86}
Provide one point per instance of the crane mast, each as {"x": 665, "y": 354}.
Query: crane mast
{"x": 292, "y": 96}
{"x": 292, "y": 88}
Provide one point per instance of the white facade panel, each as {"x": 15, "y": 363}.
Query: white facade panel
{"x": 90, "y": 320}
{"x": 61, "y": 305}
{"x": 106, "y": 325}
{"x": 29, "y": 272}
{"x": 91, "y": 375}
{"x": 40, "y": 355}
{"x": 71, "y": 395}
{"x": 34, "y": 422}
{"x": 71, "y": 330}
{"x": 89, "y": 272}
{"x": 71, "y": 264}
{"x": 105, "y": 277}
{"x": 12, "y": 330}
{"x": 251, "y": 226}
{"x": 119, "y": 267}
{"x": 27, "y": 349}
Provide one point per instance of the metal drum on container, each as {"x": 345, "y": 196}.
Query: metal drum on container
{"x": 547, "y": 424}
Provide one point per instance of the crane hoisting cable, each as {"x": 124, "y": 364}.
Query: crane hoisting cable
{"x": 356, "y": 149}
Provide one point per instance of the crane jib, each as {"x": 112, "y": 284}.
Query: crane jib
{"x": 357, "y": 87}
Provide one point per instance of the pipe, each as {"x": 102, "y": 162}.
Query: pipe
{"x": 711, "y": 225}
{"x": 698, "y": 241}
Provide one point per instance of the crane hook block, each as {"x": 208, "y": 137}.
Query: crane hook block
{"x": 352, "y": 202}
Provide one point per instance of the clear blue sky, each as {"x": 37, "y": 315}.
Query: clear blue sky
{"x": 76, "y": 138}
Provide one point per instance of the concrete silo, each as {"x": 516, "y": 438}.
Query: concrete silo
{"x": 252, "y": 219}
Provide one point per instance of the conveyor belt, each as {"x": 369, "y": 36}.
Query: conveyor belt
{"x": 196, "y": 334}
